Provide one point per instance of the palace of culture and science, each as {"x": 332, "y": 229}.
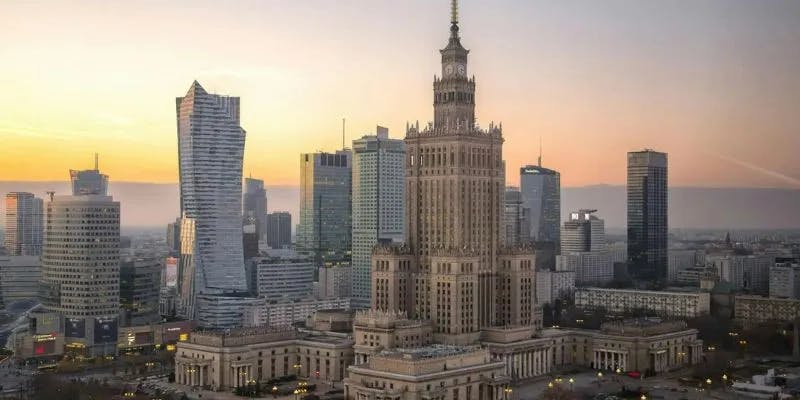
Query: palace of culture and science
{"x": 453, "y": 311}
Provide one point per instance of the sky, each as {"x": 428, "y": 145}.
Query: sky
{"x": 712, "y": 82}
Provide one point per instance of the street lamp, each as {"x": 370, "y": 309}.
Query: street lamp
{"x": 550, "y": 384}
{"x": 643, "y": 397}
{"x": 274, "y": 391}
{"x": 599, "y": 375}
{"x": 571, "y": 383}
{"x": 507, "y": 392}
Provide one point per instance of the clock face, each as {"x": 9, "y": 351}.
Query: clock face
{"x": 448, "y": 70}
{"x": 462, "y": 70}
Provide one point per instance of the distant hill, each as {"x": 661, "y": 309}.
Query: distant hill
{"x": 151, "y": 204}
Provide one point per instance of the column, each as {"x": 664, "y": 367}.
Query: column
{"x": 596, "y": 361}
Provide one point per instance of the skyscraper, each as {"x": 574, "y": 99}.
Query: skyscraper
{"x": 454, "y": 270}
{"x": 378, "y": 202}
{"x": 255, "y": 204}
{"x": 89, "y": 181}
{"x": 24, "y": 224}
{"x": 210, "y": 150}
{"x": 647, "y": 215}
{"x": 80, "y": 268}
{"x": 516, "y": 226}
{"x": 584, "y": 249}
{"x": 279, "y": 230}
{"x": 541, "y": 196}
{"x": 325, "y": 204}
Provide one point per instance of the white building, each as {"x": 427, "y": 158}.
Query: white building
{"x": 784, "y": 280}
{"x": 378, "y": 202}
{"x": 279, "y": 313}
{"x": 748, "y": 273}
{"x": 552, "y": 285}
{"x": 24, "y": 224}
{"x": 80, "y": 269}
{"x": 210, "y": 151}
{"x": 668, "y": 304}
{"x": 335, "y": 280}
{"x": 282, "y": 278}
{"x": 681, "y": 259}
{"x": 584, "y": 250}
{"x": 19, "y": 278}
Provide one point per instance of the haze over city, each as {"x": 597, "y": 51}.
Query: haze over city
{"x": 399, "y": 200}
{"x": 712, "y": 83}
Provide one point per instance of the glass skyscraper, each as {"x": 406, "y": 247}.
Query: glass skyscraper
{"x": 378, "y": 202}
{"x": 647, "y": 216}
{"x": 324, "y": 228}
{"x": 541, "y": 195}
{"x": 210, "y": 149}
{"x": 255, "y": 204}
{"x": 24, "y": 224}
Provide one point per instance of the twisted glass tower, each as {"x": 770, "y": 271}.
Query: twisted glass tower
{"x": 211, "y": 148}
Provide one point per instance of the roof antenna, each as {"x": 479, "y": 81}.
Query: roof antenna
{"x": 96, "y": 162}
{"x": 540, "y": 151}
{"x": 343, "y": 120}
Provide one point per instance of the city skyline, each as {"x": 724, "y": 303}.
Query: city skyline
{"x": 586, "y": 81}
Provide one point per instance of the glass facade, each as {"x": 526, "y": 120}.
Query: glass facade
{"x": 647, "y": 216}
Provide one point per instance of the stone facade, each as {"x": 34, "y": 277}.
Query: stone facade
{"x": 432, "y": 372}
{"x": 671, "y": 304}
{"x": 752, "y": 310}
{"x": 223, "y": 361}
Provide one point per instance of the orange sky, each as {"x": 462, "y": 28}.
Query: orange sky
{"x": 712, "y": 83}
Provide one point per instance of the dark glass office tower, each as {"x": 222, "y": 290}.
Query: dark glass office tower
{"x": 647, "y": 216}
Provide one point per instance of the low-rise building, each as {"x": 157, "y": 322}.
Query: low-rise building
{"x": 784, "y": 279}
{"x": 285, "y": 312}
{"x": 663, "y": 303}
{"x": 430, "y": 372}
{"x": 753, "y": 310}
{"x": 224, "y": 360}
{"x": 552, "y": 285}
{"x": 276, "y": 277}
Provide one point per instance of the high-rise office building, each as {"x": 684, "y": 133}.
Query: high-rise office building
{"x": 378, "y": 203}
{"x": 174, "y": 237}
{"x": 19, "y": 278}
{"x": 80, "y": 269}
{"x": 584, "y": 249}
{"x": 541, "y": 196}
{"x": 647, "y": 216}
{"x": 454, "y": 270}
{"x": 210, "y": 149}
{"x": 89, "y": 181}
{"x": 279, "y": 230}
{"x": 583, "y": 232}
{"x": 325, "y": 204}
{"x": 139, "y": 287}
{"x": 24, "y": 224}
{"x": 255, "y": 204}
{"x": 516, "y": 226}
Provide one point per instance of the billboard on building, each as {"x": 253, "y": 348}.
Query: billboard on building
{"x": 74, "y": 327}
{"x": 105, "y": 330}
{"x": 171, "y": 272}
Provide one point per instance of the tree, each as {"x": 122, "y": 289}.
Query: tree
{"x": 558, "y": 392}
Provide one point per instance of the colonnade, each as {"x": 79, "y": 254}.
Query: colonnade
{"x": 528, "y": 363}
{"x": 610, "y": 359}
{"x": 191, "y": 374}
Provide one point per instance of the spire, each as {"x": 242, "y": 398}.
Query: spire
{"x": 454, "y": 18}
{"x": 540, "y": 151}
{"x": 96, "y": 162}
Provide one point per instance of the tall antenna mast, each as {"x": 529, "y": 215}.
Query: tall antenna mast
{"x": 96, "y": 162}
{"x": 540, "y": 151}
{"x": 343, "y": 120}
